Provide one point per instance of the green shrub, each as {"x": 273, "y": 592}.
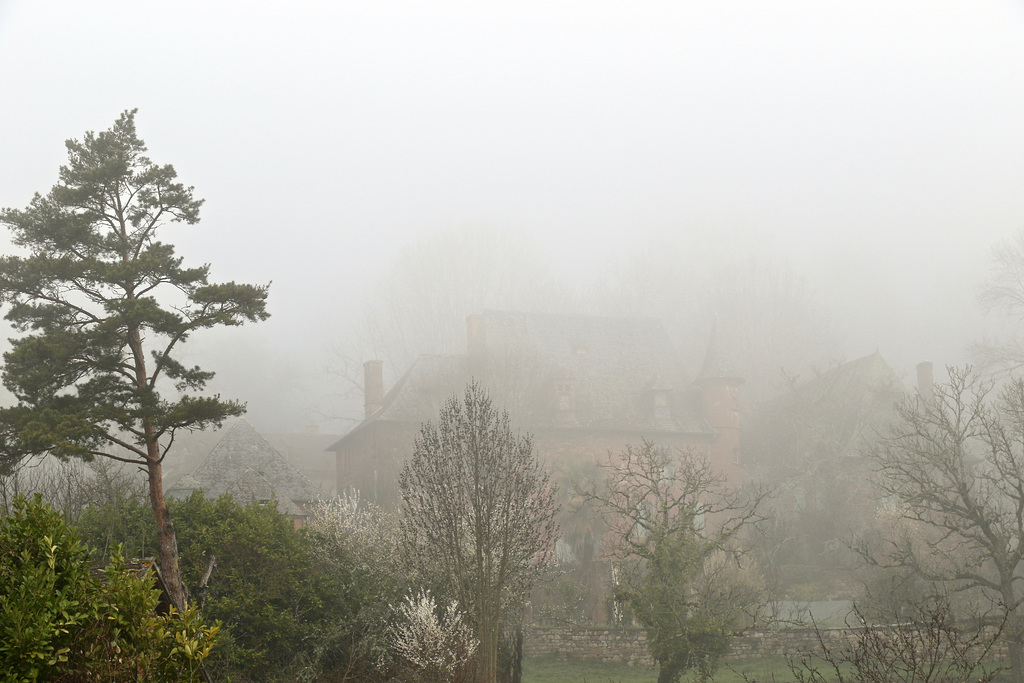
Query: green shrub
{"x": 46, "y": 593}
{"x": 296, "y": 605}
{"x": 58, "y": 622}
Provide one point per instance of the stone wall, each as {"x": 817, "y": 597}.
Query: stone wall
{"x": 782, "y": 642}
{"x": 627, "y": 645}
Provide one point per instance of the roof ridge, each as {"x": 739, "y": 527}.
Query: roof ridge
{"x": 244, "y": 451}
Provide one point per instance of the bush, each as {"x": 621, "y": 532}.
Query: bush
{"x": 265, "y": 587}
{"x": 437, "y": 645}
{"x": 58, "y": 622}
{"x": 296, "y": 605}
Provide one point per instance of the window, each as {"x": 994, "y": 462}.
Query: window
{"x": 563, "y": 395}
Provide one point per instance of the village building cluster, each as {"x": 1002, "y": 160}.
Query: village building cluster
{"x": 585, "y": 387}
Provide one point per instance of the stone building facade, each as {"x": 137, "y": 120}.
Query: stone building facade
{"x": 584, "y": 386}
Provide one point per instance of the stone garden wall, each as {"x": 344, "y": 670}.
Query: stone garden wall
{"x": 627, "y": 645}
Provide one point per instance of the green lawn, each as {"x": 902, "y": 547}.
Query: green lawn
{"x": 552, "y": 670}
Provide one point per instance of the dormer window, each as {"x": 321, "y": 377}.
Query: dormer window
{"x": 658, "y": 403}
{"x": 563, "y": 401}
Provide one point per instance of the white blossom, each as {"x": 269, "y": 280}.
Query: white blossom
{"x": 439, "y": 647}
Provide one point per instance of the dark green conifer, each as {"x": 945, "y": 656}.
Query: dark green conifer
{"x": 95, "y": 342}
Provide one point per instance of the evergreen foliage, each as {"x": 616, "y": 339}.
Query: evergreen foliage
{"x": 265, "y": 587}
{"x": 292, "y": 605}
{"x": 95, "y": 343}
{"x": 673, "y": 527}
{"x": 58, "y": 622}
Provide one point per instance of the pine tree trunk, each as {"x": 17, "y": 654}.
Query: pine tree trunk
{"x": 167, "y": 540}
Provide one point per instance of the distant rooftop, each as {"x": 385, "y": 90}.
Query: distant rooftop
{"x": 245, "y": 465}
{"x": 570, "y": 371}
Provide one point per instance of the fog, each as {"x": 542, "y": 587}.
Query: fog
{"x": 871, "y": 154}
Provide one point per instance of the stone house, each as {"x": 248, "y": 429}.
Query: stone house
{"x": 582, "y": 385}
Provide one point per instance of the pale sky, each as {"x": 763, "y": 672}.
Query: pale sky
{"x": 876, "y": 146}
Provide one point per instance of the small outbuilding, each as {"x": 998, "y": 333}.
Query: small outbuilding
{"x": 245, "y": 465}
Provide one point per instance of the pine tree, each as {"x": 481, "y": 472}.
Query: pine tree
{"x": 96, "y": 346}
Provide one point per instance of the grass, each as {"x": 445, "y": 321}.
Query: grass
{"x": 554, "y": 670}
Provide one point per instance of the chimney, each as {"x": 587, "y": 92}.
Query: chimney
{"x": 926, "y": 381}
{"x": 373, "y": 386}
{"x": 474, "y": 323}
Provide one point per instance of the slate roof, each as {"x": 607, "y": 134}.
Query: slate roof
{"x": 245, "y": 465}
{"x": 864, "y": 378}
{"x": 609, "y": 367}
{"x": 308, "y": 452}
{"x": 424, "y": 389}
{"x": 611, "y": 364}
{"x": 825, "y": 418}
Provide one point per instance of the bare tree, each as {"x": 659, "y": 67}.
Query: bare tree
{"x": 478, "y": 514}
{"x": 953, "y": 469}
{"x": 928, "y": 648}
{"x": 1003, "y": 293}
{"x": 808, "y": 444}
{"x": 673, "y": 527}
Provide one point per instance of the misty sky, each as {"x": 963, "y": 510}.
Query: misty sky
{"x": 875, "y": 146}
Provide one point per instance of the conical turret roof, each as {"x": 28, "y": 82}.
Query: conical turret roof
{"x": 718, "y": 365}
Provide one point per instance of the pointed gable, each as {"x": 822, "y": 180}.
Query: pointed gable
{"x": 718, "y": 366}
{"x": 245, "y": 465}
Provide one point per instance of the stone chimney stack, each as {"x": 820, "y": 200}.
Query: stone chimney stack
{"x": 926, "y": 381}
{"x": 373, "y": 386}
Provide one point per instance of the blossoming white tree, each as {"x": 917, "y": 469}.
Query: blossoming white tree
{"x": 478, "y": 514}
{"x": 438, "y": 647}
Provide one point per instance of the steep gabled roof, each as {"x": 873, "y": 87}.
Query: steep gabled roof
{"x": 245, "y": 465}
{"x": 424, "y": 388}
{"x": 609, "y": 364}
{"x": 419, "y": 393}
{"x": 607, "y": 368}
{"x": 717, "y": 364}
{"x": 865, "y": 379}
{"x": 827, "y": 418}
